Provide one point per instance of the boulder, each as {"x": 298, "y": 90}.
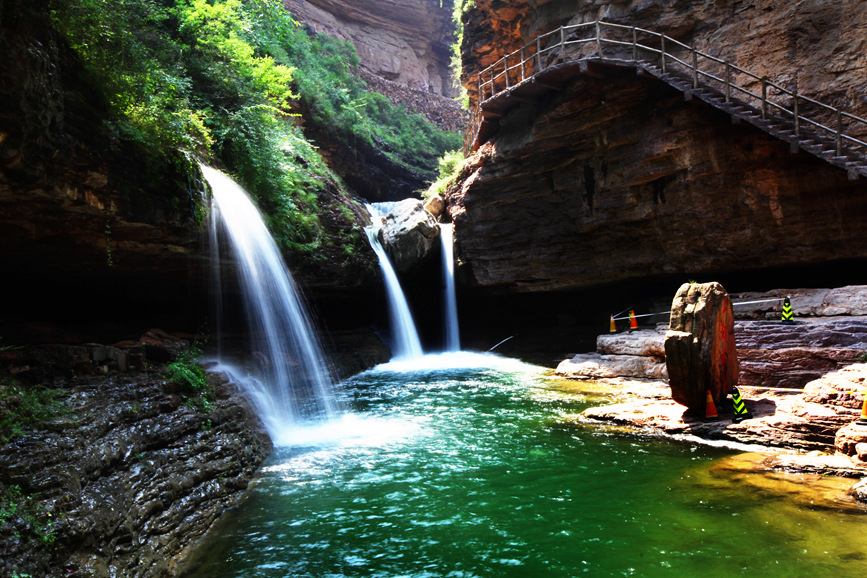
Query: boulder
{"x": 596, "y": 366}
{"x": 408, "y": 234}
{"x": 849, "y": 437}
{"x": 700, "y": 345}
{"x": 645, "y": 342}
{"x": 859, "y": 491}
{"x": 435, "y": 205}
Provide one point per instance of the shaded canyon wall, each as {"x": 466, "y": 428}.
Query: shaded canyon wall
{"x": 620, "y": 178}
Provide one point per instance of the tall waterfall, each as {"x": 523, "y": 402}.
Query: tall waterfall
{"x": 453, "y": 337}
{"x": 405, "y": 341}
{"x": 290, "y": 380}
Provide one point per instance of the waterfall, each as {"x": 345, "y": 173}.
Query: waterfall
{"x": 453, "y": 337}
{"x": 289, "y": 381}
{"x": 405, "y": 341}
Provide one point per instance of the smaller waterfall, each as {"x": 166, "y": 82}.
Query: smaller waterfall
{"x": 453, "y": 337}
{"x": 290, "y": 380}
{"x": 406, "y": 344}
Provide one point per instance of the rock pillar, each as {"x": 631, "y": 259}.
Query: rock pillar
{"x": 700, "y": 345}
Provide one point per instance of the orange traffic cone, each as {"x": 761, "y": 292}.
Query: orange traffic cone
{"x": 710, "y": 413}
{"x": 633, "y": 323}
{"x": 863, "y": 419}
{"x": 613, "y": 327}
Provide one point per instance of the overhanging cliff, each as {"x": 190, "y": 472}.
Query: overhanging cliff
{"x": 617, "y": 177}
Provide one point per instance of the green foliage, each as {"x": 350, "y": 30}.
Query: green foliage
{"x": 217, "y": 78}
{"x": 23, "y": 517}
{"x": 23, "y": 408}
{"x": 459, "y": 9}
{"x": 448, "y": 167}
{"x": 186, "y": 373}
{"x": 330, "y": 87}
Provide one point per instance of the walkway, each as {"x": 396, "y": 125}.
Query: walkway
{"x": 547, "y": 63}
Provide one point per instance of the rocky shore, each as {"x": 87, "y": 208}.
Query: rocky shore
{"x": 802, "y": 384}
{"x": 111, "y": 467}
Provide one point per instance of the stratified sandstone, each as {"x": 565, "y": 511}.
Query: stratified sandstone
{"x": 618, "y": 177}
{"x": 133, "y": 471}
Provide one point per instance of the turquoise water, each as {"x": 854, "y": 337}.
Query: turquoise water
{"x": 474, "y": 472}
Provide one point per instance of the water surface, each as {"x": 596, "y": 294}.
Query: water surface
{"x": 459, "y": 472}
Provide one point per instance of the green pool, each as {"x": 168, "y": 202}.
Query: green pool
{"x": 463, "y": 465}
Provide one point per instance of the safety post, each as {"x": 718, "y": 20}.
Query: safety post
{"x": 633, "y": 322}
{"x": 739, "y": 407}
{"x": 613, "y": 326}
{"x": 788, "y": 314}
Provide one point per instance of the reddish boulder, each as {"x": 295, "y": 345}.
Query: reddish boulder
{"x": 700, "y": 345}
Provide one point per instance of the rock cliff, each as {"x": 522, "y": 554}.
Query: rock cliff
{"x": 98, "y": 240}
{"x": 618, "y": 177}
{"x": 129, "y": 471}
{"x": 406, "y": 41}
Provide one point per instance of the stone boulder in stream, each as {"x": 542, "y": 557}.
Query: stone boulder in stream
{"x": 408, "y": 234}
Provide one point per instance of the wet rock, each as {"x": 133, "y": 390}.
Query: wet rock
{"x": 700, "y": 345}
{"x": 130, "y": 481}
{"x": 859, "y": 491}
{"x": 161, "y": 347}
{"x": 408, "y": 234}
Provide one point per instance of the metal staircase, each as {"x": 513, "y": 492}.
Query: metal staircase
{"x": 551, "y": 60}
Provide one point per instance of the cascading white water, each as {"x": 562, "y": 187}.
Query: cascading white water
{"x": 406, "y": 344}
{"x": 453, "y": 337}
{"x": 290, "y": 381}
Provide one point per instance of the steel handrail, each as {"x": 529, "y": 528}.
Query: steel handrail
{"x": 513, "y": 70}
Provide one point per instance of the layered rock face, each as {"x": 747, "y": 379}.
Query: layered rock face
{"x": 131, "y": 472}
{"x": 86, "y": 226}
{"x": 406, "y": 41}
{"x": 817, "y": 45}
{"x": 619, "y": 177}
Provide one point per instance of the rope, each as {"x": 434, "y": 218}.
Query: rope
{"x": 758, "y": 301}
{"x": 616, "y": 318}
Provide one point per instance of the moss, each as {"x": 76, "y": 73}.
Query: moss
{"x": 26, "y": 407}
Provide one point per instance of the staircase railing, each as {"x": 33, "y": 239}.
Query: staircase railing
{"x": 609, "y": 41}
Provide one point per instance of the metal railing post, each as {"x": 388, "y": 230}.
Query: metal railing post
{"x": 662, "y": 51}
{"x": 598, "y": 39}
{"x": 538, "y": 54}
{"x": 797, "y": 113}
{"x": 728, "y": 82}
{"x": 634, "y": 44}
{"x": 506, "y": 69}
{"x": 523, "y": 64}
{"x": 694, "y": 68}
{"x": 764, "y": 97}
{"x": 839, "y": 133}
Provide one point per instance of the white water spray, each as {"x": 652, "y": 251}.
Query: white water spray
{"x": 453, "y": 337}
{"x": 406, "y": 344}
{"x": 290, "y": 381}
